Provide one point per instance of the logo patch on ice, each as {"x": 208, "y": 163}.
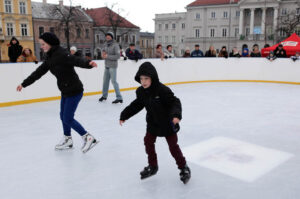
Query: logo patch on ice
{"x": 235, "y": 158}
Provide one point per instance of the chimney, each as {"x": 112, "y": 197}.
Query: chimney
{"x": 45, "y": 1}
{"x": 61, "y": 2}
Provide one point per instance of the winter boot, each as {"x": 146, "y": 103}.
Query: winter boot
{"x": 185, "y": 174}
{"x": 102, "y": 99}
{"x": 148, "y": 171}
{"x": 88, "y": 142}
{"x": 117, "y": 101}
{"x": 65, "y": 143}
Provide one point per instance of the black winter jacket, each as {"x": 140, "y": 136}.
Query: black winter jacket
{"x": 160, "y": 103}
{"x": 61, "y": 65}
{"x": 14, "y": 50}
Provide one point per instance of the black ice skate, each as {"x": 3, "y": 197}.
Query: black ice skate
{"x": 148, "y": 171}
{"x": 117, "y": 101}
{"x": 185, "y": 174}
{"x": 102, "y": 99}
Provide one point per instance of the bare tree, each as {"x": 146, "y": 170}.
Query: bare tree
{"x": 289, "y": 22}
{"x": 115, "y": 22}
{"x": 70, "y": 21}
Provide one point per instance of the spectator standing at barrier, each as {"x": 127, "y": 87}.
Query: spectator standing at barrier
{"x": 235, "y": 53}
{"x": 75, "y": 52}
{"x": 255, "y": 51}
{"x": 187, "y": 52}
{"x": 169, "y": 52}
{"x": 27, "y": 56}
{"x": 211, "y": 52}
{"x": 245, "y": 52}
{"x": 61, "y": 64}
{"x": 271, "y": 56}
{"x": 122, "y": 54}
{"x": 197, "y": 52}
{"x": 111, "y": 54}
{"x": 280, "y": 52}
{"x": 163, "y": 117}
{"x": 132, "y": 53}
{"x": 223, "y": 52}
{"x": 14, "y": 50}
{"x": 296, "y": 56}
{"x": 159, "y": 52}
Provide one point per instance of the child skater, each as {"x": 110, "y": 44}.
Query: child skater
{"x": 61, "y": 64}
{"x": 163, "y": 117}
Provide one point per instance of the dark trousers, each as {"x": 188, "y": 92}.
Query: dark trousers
{"x": 172, "y": 140}
{"x": 68, "y": 106}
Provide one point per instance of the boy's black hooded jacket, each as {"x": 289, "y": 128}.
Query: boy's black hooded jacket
{"x": 160, "y": 103}
{"x": 61, "y": 65}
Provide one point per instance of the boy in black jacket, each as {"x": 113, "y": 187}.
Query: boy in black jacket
{"x": 163, "y": 117}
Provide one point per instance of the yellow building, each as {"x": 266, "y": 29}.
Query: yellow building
{"x": 15, "y": 20}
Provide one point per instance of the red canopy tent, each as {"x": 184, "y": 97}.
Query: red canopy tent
{"x": 291, "y": 45}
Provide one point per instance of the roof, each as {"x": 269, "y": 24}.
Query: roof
{"x": 47, "y": 11}
{"x": 211, "y": 2}
{"x": 101, "y": 17}
{"x": 146, "y": 34}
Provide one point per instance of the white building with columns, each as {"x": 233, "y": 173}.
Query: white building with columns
{"x": 229, "y": 23}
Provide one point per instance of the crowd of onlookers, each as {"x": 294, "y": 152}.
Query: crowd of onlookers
{"x": 17, "y": 53}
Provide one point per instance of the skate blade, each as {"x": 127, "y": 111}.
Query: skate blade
{"x": 92, "y": 146}
{"x": 148, "y": 176}
{"x": 185, "y": 181}
{"x": 64, "y": 149}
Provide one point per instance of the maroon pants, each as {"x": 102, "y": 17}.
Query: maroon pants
{"x": 172, "y": 140}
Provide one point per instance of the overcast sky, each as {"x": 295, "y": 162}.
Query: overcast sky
{"x": 139, "y": 12}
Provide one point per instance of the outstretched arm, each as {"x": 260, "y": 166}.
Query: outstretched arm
{"x": 135, "y": 107}
{"x": 37, "y": 74}
{"x": 80, "y": 62}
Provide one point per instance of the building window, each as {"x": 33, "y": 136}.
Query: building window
{"x": 159, "y": 26}
{"x": 197, "y": 33}
{"x": 236, "y": 32}
{"x": 237, "y": 13}
{"x": 213, "y": 15}
{"x": 197, "y": 16}
{"x": 212, "y": 32}
{"x": 24, "y": 30}
{"x": 8, "y": 6}
{"x": 41, "y": 30}
{"x": 52, "y": 30}
{"x": 78, "y": 32}
{"x": 88, "y": 52}
{"x": 166, "y": 39}
{"x": 133, "y": 39}
{"x": 98, "y": 39}
{"x": 159, "y": 39}
{"x": 87, "y": 33}
{"x": 247, "y": 31}
{"x": 22, "y": 6}
{"x": 225, "y": 14}
{"x": 147, "y": 43}
{"x": 118, "y": 38}
{"x": 126, "y": 38}
{"x": 283, "y": 11}
{"x": 173, "y": 39}
{"x": 166, "y": 26}
{"x": 173, "y": 26}
{"x": 182, "y": 38}
{"x": 10, "y": 29}
{"x": 224, "y": 32}
{"x": 298, "y": 11}
{"x": 183, "y": 26}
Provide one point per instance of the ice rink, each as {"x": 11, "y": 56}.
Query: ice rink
{"x": 241, "y": 141}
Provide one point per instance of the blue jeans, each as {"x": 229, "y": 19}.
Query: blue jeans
{"x": 68, "y": 106}
{"x": 111, "y": 73}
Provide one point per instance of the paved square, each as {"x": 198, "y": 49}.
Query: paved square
{"x": 235, "y": 158}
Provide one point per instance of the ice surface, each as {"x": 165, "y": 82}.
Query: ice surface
{"x": 267, "y": 115}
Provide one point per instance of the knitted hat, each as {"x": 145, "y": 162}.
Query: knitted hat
{"x": 73, "y": 48}
{"x": 50, "y": 38}
{"x": 110, "y": 34}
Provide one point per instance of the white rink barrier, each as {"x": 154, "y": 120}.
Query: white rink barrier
{"x": 170, "y": 71}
